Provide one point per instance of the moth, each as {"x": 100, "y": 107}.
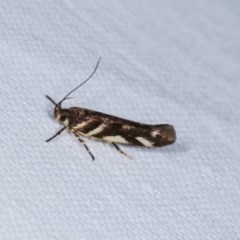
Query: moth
{"x": 88, "y": 123}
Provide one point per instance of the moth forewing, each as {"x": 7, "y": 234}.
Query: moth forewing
{"x": 108, "y": 128}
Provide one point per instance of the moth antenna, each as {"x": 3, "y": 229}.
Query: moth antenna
{"x": 54, "y": 101}
{"x": 95, "y": 69}
{"x": 51, "y": 100}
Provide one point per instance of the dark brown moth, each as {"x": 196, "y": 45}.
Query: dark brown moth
{"x": 88, "y": 123}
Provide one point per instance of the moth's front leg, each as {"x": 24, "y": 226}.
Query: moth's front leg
{"x": 58, "y": 133}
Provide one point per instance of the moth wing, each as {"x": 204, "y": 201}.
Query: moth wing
{"x": 162, "y": 134}
{"x": 117, "y": 130}
{"x": 128, "y": 132}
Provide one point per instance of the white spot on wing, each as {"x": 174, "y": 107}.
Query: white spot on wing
{"x": 144, "y": 141}
{"x": 96, "y": 130}
{"x": 117, "y": 139}
{"x": 127, "y": 127}
{"x": 155, "y": 133}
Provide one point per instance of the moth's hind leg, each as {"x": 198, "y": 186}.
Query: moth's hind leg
{"x": 120, "y": 150}
{"x": 86, "y": 147}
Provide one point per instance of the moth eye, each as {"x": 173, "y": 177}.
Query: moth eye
{"x": 62, "y": 118}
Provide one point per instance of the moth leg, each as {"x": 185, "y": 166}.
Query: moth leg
{"x": 120, "y": 150}
{"x": 86, "y": 147}
{"x": 58, "y": 133}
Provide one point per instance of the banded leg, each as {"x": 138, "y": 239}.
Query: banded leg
{"x": 58, "y": 133}
{"x": 120, "y": 150}
{"x": 86, "y": 147}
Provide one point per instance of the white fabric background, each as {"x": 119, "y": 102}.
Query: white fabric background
{"x": 162, "y": 62}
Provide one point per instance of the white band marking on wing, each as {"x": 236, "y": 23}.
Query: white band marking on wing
{"x": 116, "y": 139}
{"x": 96, "y": 130}
{"x": 144, "y": 141}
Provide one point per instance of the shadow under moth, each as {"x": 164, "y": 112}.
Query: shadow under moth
{"x": 88, "y": 123}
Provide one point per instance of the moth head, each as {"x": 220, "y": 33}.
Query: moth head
{"x": 61, "y": 114}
